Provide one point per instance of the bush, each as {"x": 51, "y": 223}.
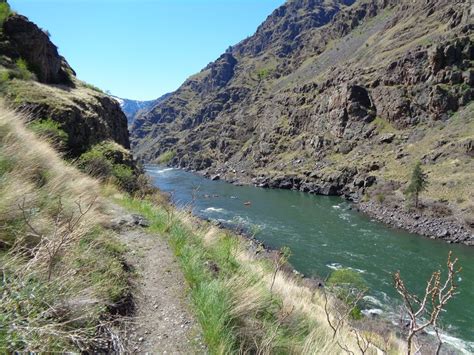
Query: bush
{"x": 93, "y": 87}
{"x": 110, "y": 161}
{"x": 348, "y": 285}
{"x": 51, "y": 131}
{"x": 94, "y": 163}
{"x": 5, "y": 11}
{"x": 4, "y": 76}
{"x": 264, "y": 73}
{"x": 22, "y": 71}
{"x": 124, "y": 177}
{"x": 380, "y": 197}
{"x": 166, "y": 157}
{"x": 347, "y": 278}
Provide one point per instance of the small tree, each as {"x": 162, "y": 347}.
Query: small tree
{"x": 418, "y": 183}
{"x": 424, "y": 312}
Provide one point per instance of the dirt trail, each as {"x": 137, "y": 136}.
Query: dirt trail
{"x": 162, "y": 321}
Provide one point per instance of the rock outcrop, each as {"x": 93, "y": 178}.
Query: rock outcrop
{"x": 28, "y": 41}
{"x": 331, "y": 97}
{"x": 87, "y": 115}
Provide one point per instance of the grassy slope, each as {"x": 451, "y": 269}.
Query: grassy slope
{"x": 61, "y": 268}
{"x": 449, "y": 175}
{"x": 61, "y": 281}
{"x": 233, "y": 297}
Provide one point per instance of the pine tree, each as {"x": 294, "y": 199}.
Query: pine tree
{"x": 418, "y": 183}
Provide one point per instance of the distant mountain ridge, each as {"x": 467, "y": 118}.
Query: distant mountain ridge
{"x": 131, "y": 107}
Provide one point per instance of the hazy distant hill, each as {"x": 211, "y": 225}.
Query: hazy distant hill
{"x": 131, "y": 107}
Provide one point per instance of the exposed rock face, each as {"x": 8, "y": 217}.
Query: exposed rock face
{"x": 86, "y": 115}
{"x": 325, "y": 91}
{"x": 87, "y": 122}
{"x": 31, "y": 43}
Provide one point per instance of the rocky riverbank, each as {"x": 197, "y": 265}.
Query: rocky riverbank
{"x": 449, "y": 228}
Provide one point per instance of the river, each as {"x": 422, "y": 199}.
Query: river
{"x": 324, "y": 234}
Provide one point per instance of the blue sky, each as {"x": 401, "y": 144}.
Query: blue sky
{"x": 141, "y": 49}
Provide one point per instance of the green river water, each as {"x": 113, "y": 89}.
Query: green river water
{"x": 324, "y": 234}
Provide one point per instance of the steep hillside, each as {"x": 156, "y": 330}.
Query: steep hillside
{"x": 34, "y": 78}
{"x": 62, "y": 268}
{"x": 334, "y": 97}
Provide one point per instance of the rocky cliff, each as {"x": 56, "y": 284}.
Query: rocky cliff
{"x": 34, "y": 78}
{"x": 333, "y": 97}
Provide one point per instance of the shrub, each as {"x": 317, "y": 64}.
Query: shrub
{"x": 93, "y": 87}
{"x": 4, "y": 76}
{"x": 349, "y": 286}
{"x": 380, "y": 197}
{"x": 124, "y": 177}
{"x": 5, "y": 11}
{"x": 94, "y": 163}
{"x": 110, "y": 161}
{"x": 51, "y": 131}
{"x": 347, "y": 278}
{"x": 264, "y": 73}
{"x": 22, "y": 71}
{"x": 166, "y": 157}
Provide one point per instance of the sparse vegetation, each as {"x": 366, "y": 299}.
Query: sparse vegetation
{"x": 22, "y": 71}
{"x": 264, "y": 73}
{"x": 166, "y": 157}
{"x": 61, "y": 270}
{"x": 241, "y": 302}
{"x": 92, "y": 87}
{"x": 51, "y": 131}
{"x": 5, "y": 11}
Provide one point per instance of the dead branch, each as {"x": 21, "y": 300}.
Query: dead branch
{"x": 62, "y": 235}
{"x": 437, "y": 294}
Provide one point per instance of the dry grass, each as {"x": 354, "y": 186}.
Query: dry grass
{"x": 239, "y": 310}
{"x": 60, "y": 271}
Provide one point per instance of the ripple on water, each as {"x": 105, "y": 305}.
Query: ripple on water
{"x": 162, "y": 171}
{"x": 214, "y": 209}
{"x": 338, "y": 266}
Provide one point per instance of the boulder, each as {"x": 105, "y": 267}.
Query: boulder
{"x": 386, "y": 138}
{"x": 131, "y": 220}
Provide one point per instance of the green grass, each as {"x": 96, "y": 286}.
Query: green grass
{"x": 22, "y": 70}
{"x": 110, "y": 161}
{"x": 93, "y": 87}
{"x": 51, "y": 131}
{"x": 5, "y": 11}
{"x": 59, "y": 275}
{"x": 166, "y": 157}
{"x": 217, "y": 292}
{"x": 210, "y": 296}
{"x": 383, "y": 125}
